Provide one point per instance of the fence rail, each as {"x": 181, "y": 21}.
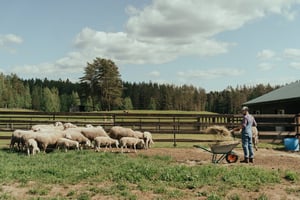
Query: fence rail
{"x": 273, "y": 128}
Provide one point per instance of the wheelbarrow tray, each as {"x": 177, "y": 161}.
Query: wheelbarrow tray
{"x": 224, "y": 149}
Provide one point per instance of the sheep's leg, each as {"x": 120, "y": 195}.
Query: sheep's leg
{"x": 37, "y": 150}
{"x": 96, "y": 148}
{"x": 28, "y": 151}
{"x": 110, "y": 147}
{"x": 122, "y": 148}
{"x": 134, "y": 147}
{"x": 44, "y": 148}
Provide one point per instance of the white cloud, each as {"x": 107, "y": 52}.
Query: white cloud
{"x": 163, "y": 31}
{"x": 10, "y": 39}
{"x": 63, "y": 68}
{"x": 265, "y": 66}
{"x": 177, "y": 20}
{"x": 295, "y": 65}
{"x": 155, "y": 73}
{"x": 210, "y": 73}
{"x": 266, "y": 54}
{"x": 292, "y": 53}
{"x": 168, "y": 29}
{"x": 6, "y": 42}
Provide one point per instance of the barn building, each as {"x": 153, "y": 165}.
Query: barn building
{"x": 284, "y": 100}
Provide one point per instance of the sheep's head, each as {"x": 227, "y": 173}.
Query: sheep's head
{"x": 89, "y": 126}
{"x": 88, "y": 143}
{"x": 68, "y": 136}
{"x": 141, "y": 142}
{"x": 58, "y": 124}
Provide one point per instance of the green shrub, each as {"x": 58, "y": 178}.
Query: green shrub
{"x": 291, "y": 176}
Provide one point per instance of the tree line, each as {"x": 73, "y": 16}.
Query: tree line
{"x": 101, "y": 89}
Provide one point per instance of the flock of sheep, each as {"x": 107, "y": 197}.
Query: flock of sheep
{"x": 68, "y": 135}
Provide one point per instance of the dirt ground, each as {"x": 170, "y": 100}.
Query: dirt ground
{"x": 266, "y": 158}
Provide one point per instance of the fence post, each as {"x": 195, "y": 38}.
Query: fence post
{"x": 114, "y": 119}
{"x": 174, "y": 132}
{"x": 297, "y": 120}
{"x": 198, "y": 123}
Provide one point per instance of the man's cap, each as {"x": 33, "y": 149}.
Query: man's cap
{"x": 245, "y": 108}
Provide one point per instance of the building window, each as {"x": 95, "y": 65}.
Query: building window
{"x": 280, "y": 111}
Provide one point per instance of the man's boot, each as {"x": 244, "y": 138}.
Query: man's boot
{"x": 251, "y": 160}
{"x": 246, "y": 160}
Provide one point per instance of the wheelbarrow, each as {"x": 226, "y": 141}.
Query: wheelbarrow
{"x": 221, "y": 151}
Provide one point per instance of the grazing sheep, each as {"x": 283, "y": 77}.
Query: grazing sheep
{"x": 75, "y": 134}
{"x": 31, "y": 147}
{"x": 89, "y": 126}
{"x": 66, "y": 144}
{"x": 69, "y": 125}
{"x": 41, "y": 127}
{"x": 16, "y": 137}
{"x": 49, "y": 137}
{"x": 148, "y": 139}
{"x": 103, "y": 140}
{"x": 131, "y": 142}
{"x": 92, "y": 133}
{"x": 27, "y": 136}
{"x": 117, "y": 132}
{"x": 255, "y": 137}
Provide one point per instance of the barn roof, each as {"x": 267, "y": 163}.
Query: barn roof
{"x": 288, "y": 92}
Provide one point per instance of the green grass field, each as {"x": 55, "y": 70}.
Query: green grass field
{"x": 88, "y": 175}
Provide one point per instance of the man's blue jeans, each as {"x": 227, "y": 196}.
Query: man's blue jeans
{"x": 247, "y": 146}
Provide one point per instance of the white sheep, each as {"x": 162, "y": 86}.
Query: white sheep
{"x": 69, "y": 125}
{"x": 41, "y": 127}
{"x": 49, "y": 137}
{"x": 16, "y": 137}
{"x": 66, "y": 144}
{"x": 148, "y": 139}
{"x": 75, "y": 134}
{"x": 106, "y": 141}
{"x": 32, "y": 146}
{"x": 117, "y": 132}
{"x": 255, "y": 137}
{"x": 92, "y": 133}
{"x": 38, "y": 127}
{"x": 131, "y": 142}
{"x": 89, "y": 126}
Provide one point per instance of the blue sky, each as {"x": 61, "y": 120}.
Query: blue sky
{"x": 210, "y": 44}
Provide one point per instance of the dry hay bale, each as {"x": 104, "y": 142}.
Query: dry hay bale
{"x": 220, "y": 133}
{"x": 218, "y": 130}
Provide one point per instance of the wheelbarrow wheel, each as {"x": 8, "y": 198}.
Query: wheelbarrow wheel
{"x": 231, "y": 157}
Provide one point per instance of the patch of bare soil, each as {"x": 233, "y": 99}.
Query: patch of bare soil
{"x": 266, "y": 158}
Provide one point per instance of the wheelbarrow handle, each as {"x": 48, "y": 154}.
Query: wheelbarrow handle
{"x": 200, "y": 147}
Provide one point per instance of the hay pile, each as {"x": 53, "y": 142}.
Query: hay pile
{"x": 219, "y": 132}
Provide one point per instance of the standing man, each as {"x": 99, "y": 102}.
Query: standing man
{"x": 246, "y": 126}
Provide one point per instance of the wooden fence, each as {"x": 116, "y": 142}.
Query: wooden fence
{"x": 273, "y": 128}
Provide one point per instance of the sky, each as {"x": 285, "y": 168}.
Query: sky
{"x": 212, "y": 44}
